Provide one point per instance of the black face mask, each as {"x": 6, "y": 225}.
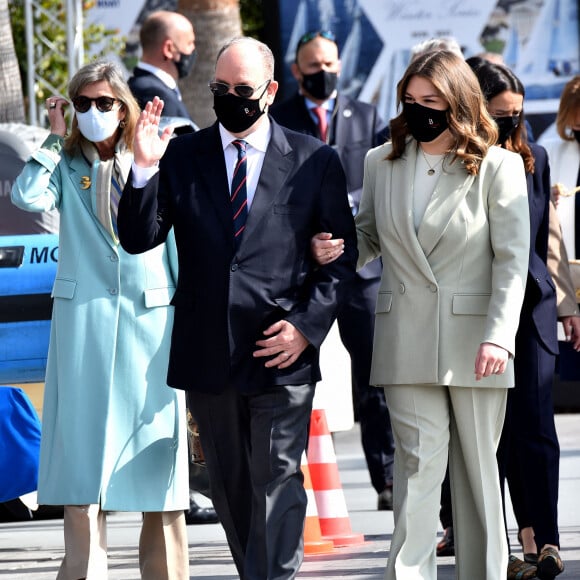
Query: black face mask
{"x": 321, "y": 84}
{"x": 424, "y": 123}
{"x": 506, "y": 125}
{"x": 577, "y": 135}
{"x": 237, "y": 114}
{"x": 184, "y": 64}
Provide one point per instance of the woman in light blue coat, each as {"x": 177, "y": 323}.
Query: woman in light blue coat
{"x": 113, "y": 432}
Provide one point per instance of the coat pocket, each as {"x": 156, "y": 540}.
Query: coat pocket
{"x": 158, "y": 296}
{"x": 474, "y": 304}
{"x": 384, "y": 302}
{"x": 64, "y": 288}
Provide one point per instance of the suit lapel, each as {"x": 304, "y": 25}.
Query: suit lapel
{"x": 401, "y": 206}
{"x": 278, "y": 163}
{"x": 452, "y": 187}
{"x": 212, "y": 170}
{"x": 84, "y": 182}
{"x": 339, "y": 125}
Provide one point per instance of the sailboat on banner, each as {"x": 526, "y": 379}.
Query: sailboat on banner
{"x": 327, "y": 14}
{"x": 300, "y": 27}
{"x": 349, "y": 83}
{"x": 551, "y": 55}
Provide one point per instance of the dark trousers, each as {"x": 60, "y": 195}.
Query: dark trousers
{"x": 356, "y": 326}
{"x": 529, "y": 452}
{"x": 253, "y": 447}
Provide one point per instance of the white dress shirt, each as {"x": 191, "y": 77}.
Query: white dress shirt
{"x": 257, "y": 143}
{"x": 166, "y": 78}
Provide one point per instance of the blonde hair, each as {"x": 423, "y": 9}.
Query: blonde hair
{"x": 111, "y": 73}
{"x": 472, "y": 128}
{"x": 569, "y": 106}
{"x": 433, "y": 44}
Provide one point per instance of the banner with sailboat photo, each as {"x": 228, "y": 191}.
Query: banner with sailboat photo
{"x": 538, "y": 39}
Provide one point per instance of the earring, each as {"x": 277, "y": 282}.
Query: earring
{"x": 122, "y": 124}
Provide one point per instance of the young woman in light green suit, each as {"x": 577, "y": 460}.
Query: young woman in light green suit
{"x": 448, "y": 214}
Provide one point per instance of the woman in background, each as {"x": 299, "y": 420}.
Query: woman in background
{"x": 529, "y": 440}
{"x": 564, "y": 155}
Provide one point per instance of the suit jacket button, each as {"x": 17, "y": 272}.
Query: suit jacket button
{"x": 113, "y": 291}
{"x": 401, "y": 288}
{"x": 234, "y": 267}
{"x": 433, "y": 288}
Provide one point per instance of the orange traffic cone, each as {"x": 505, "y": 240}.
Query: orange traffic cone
{"x": 313, "y": 542}
{"x": 330, "y": 501}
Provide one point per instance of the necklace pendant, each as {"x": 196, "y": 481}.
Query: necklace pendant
{"x": 430, "y": 172}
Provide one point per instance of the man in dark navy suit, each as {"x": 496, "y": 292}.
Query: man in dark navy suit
{"x": 244, "y": 198}
{"x": 168, "y": 53}
{"x": 351, "y": 127}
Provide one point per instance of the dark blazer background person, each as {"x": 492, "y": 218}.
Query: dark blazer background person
{"x": 250, "y": 314}
{"x": 168, "y": 53}
{"x": 353, "y": 127}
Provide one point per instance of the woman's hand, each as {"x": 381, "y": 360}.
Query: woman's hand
{"x": 572, "y": 330}
{"x": 148, "y": 145}
{"x": 324, "y": 249}
{"x": 490, "y": 360}
{"x": 56, "y": 106}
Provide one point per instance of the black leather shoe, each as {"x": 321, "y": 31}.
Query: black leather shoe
{"x": 385, "y": 499}
{"x": 199, "y": 515}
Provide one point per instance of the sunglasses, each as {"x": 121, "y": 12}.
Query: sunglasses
{"x": 82, "y": 104}
{"x": 306, "y": 38}
{"x": 245, "y": 91}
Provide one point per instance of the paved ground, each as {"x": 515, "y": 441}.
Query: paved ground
{"x": 33, "y": 550}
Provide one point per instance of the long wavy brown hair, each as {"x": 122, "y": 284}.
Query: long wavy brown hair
{"x": 472, "y": 128}
{"x": 110, "y": 72}
{"x": 495, "y": 79}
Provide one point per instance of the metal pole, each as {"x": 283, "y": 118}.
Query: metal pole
{"x": 29, "y": 30}
{"x": 74, "y": 33}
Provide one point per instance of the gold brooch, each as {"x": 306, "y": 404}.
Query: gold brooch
{"x": 85, "y": 182}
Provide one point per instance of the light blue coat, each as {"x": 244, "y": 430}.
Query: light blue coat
{"x": 112, "y": 430}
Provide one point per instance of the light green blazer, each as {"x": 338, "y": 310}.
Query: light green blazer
{"x": 456, "y": 282}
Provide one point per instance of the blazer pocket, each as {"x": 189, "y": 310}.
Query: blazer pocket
{"x": 474, "y": 304}
{"x": 158, "y": 296}
{"x": 64, "y": 288}
{"x": 384, "y": 302}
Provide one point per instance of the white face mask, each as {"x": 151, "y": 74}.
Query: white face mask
{"x": 97, "y": 126}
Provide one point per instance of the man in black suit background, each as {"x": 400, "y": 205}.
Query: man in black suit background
{"x": 244, "y": 198}
{"x": 163, "y": 36}
{"x": 167, "y": 55}
{"x": 351, "y": 127}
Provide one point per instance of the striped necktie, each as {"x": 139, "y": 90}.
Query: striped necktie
{"x": 115, "y": 196}
{"x": 238, "y": 193}
{"x": 117, "y": 185}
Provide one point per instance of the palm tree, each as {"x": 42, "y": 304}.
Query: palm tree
{"x": 12, "y": 102}
{"x": 214, "y": 22}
